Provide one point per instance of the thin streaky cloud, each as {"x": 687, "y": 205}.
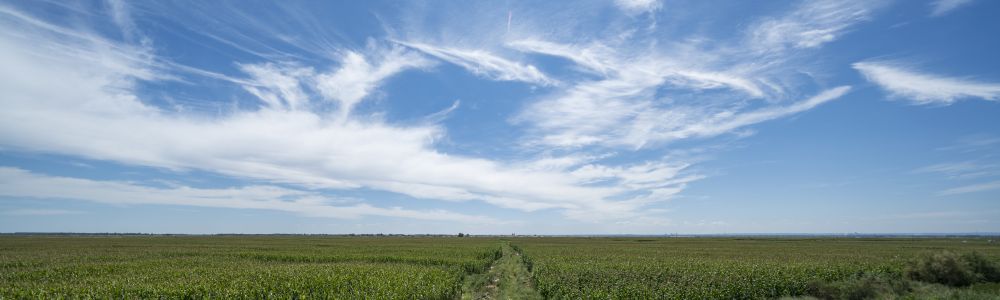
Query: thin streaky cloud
{"x": 597, "y": 57}
{"x": 288, "y": 139}
{"x": 947, "y": 214}
{"x": 122, "y": 14}
{"x": 20, "y": 183}
{"x": 973, "y": 188}
{"x": 770, "y": 113}
{"x": 811, "y": 25}
{"x": 962, "y": 169}
{"x": 484, "y": 63}
{"x": 358, "y": 75}
{"x": 603, "y": 60}
{"x": 625, "y": 108}
{"x": 925, "y": 88}
{"x": 943, "y": 7}
{"x": 41, "y": 212}
{"x": 973, "y": 143}
{"x": 714, "y": 124}
{"x": 639, "y": 6}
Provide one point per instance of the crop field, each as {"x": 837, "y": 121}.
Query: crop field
{"x": 239, "y": 266}
{"x": 716, "y": 268}
{"x": 341, "y": 267}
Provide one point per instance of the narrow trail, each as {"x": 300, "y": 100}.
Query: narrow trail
{"x": 507, "y": 278}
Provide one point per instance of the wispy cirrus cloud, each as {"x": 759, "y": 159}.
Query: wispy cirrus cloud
{"x": 625, "y": 100}
{"x": 358, "y": 76}
{"x": 122, "y": 17}
{"x": 20, "y": 183}
{"x": 605, "y": 61}
{"x": 943, "y": 7}
{"x": 941, "y": 215}
{"x": 485, "y": 64}
{"x": 289, "y": 86}
{"x": 973, "y": 143}
{"x": 277, "y": 85}
{"x": 40, "y": 212}
{"x": 972, "y": 162}
{"x": 633, "y": 103}
{"x": 972, "y": 188}
{"x": 638, "y": 6}
{"x": 810, "y": 25}
{"x": 614, "y": 110}
{"x": 624, "y": 90}
{"x": 571, "y": 122}
{"x": 962, "y": 169}
{"x": 924, "y": 88}
{"x": 720, "y": 123}
{"x": 288, "y": 139}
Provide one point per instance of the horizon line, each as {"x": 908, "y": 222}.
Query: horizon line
{"x": 772, "y": 234}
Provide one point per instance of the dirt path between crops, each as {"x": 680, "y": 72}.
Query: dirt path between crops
{"x": 507, "y": 278}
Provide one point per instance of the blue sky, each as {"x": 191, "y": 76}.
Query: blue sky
{"x": 631, "y": 116}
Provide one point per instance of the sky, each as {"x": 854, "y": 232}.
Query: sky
{"x": 500, "y": 117}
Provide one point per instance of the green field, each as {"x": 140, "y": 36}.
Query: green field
{"x": 737, "y": 268}
{"x": 339, "y": 267}
{"x": 240, "y": 266}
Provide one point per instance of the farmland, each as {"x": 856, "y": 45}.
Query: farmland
{"x": 731, "y": 268}
{"x": 239, "y": 267}
{"x": 49, "y": 266}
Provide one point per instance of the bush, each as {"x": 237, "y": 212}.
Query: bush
{"x": 865, "y": 286}
{"x": 987, "y": 270}
{"x": 952, "y": 269}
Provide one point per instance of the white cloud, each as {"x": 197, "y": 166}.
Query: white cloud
{"x": 122, "y": 17}
{"x": 630, "y": 92}
{"x": 974, "y": 188}
{"x": 923, "y": 88}
{"x": 693, "y": 122}
{"x": 20, "y": 183}
{"x": 634, "y": 100}
{"x": 938, "y": 215}
{"x": 593, "y": 57}
{"x": 357, "y": 77}
{"x": 812, "y": 24}
{"x": 943, "y": 7}
{"x": 484, "y": 63}
{"x": 605, "y": 61}
{"x": 979, "y": 164}
{"x": 642, "y": 176}
{"x": 621, "y": 112}
{"x": 39, "y": 212}
{"x": 974, "y": 143}
{"x": 621, "y": 109}
{"x": 89, "y": 95}
{"x": 637, "y": 100}
{"x": 962, "y": 170}
{"x": 728, "y": 122}
{"x": 638, "y": 6}
{"x": 278, "y": 86}
{"x": 76, "y": 48}
{"x": 284, "y": 86}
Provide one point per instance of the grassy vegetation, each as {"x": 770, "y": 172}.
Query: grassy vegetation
{"x": 759, "y": 268}
{"x": 508, "y": 278}
{"x": 490, "y": 268}
{"x": 239, "y": 267}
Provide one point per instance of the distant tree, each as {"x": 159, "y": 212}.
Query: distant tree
{"x": 461, "y": 234}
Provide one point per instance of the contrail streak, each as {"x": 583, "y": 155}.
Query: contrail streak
{"x": 509, "y": 15}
